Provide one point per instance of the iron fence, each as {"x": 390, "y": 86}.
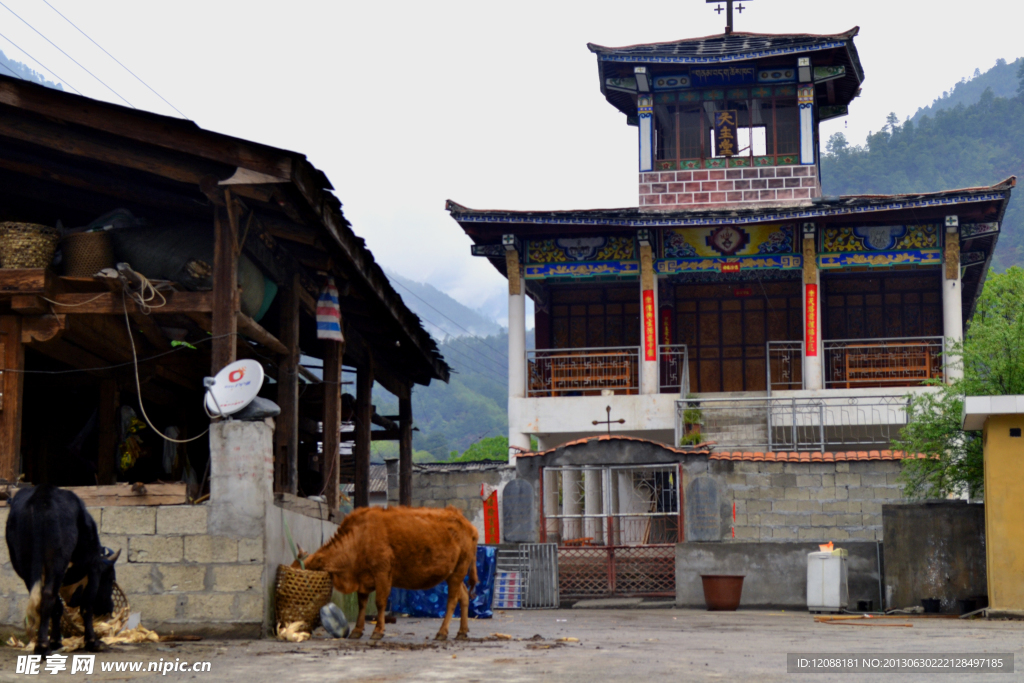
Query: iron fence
{"x": 581, "y": 372}
{"x": 800, "y": 424}
{"x": 898, "y": 362}
{"x": 631, "y": 571}
{"x": 674, "y": 369}
{"x": 785, "y": 366}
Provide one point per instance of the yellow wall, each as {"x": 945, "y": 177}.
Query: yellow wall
{"x": 1004, "y": 512}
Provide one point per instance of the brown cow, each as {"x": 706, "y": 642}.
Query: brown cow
{"x": 400, "y": 547}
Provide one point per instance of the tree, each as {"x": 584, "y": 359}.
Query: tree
{"x": 493, "y": 448}
{"x": 992, "y": 357}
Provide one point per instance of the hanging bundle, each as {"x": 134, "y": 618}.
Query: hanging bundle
{"x": 328, "y": 314}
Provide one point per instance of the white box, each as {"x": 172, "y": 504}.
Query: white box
{"x": 827, "y": 589}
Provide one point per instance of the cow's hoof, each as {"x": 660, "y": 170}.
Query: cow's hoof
{"x": 441, "y": 636}
{"x": 96, "y": 646}
{"x": 463, "y": 635}
{"x": 44, "y": 650}
{"x": 56, "y": 645}
{"x": 376, "y": 635}
{"x": 355, "y": 635}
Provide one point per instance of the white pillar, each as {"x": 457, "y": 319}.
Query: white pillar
{"x": 516, "y": 343}
{"x": 952, "y": 303}
{"x": 645, "y": 125}
{"x": 571, "y": 528}
{"x": 241, "y": 478}
{"x": 551, "y": 504}
{"x": 813, "y": 376}
{"x": 649, "y": 375}
{"x": 592, "y": 504}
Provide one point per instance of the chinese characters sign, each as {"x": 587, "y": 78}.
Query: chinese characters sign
{"x": 726, "y": 142}
{"x": 811, "y": 323}
{"x": 650, "y": 329}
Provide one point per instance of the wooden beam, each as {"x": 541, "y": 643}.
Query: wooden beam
{"x": 43, "y": 328}
{"x": 252, "y": 329}
{"x": 333, "y": 352}
{"x": 111, "y": 303}
{"x": 363, "y": 420}
{"x": 22, "y": 280}
{"x": 405, "y": 450}
{"x": 108, "y": 433}
{"x": 12, "y": 381}
{"x": 131, "y": 494}
{"x": 225, "y": 286}
{"x": 286, "y": 433}
{"x": 385, "y": 435}
{"x": 76, "y": 357}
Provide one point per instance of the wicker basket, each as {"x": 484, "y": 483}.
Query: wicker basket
{"x": 27, "y": 245}
{"x": 299, "y": 595}
{"x": 87, "y": 253}
{"x": 71, "y": 620}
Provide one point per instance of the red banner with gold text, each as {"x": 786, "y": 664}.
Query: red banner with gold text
{"x": 811, "y": 321}
{"x": 650, "y": 327}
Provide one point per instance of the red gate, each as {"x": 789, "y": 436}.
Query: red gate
{"x": 627, "y": 571}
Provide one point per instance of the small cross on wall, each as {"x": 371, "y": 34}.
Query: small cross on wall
{"x": 609, "y": 422}
{"x": 728, "y": 11}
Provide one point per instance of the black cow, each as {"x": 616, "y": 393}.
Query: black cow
{"x": 53, "y": 542}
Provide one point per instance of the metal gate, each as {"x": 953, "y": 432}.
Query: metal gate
{"x": 616, "y": 528}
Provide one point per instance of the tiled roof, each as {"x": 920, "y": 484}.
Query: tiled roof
{"x": 756, "y": 456}
{"x": 815, "y": 456}
{"x": 378, "y": 480}
{"x": 474, "y": 466}
{"x": 725, "y": 47}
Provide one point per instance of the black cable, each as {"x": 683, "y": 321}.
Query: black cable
{"x": 67, "y": 55}
{"x": 116, "y": 60}
{"x": 58, "y": 78}
{"x": 498, "y": 351}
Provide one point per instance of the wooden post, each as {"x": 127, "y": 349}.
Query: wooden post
{"x": 225, "y": 285}
{"x": 405, "y": 448}
{"x": 107, "y": 428}
{"x": 333, "y": 352}
{"x": 12, "y": 381}
{"x": 286, "y": 434}
{"x": 364, "y": 413}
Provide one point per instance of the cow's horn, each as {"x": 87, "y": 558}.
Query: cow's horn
{"x": 112, "y": 557}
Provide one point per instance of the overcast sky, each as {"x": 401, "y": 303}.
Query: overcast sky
{"x": 493, "y": 105}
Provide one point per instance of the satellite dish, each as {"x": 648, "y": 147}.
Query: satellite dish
{"x": 234, "y": 387}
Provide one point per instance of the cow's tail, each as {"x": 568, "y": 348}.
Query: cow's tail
{"x": 472, "y": 579}
{"x": 35, "y": 596}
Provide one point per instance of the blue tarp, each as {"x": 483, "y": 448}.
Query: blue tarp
{"x": 432, "y": 602}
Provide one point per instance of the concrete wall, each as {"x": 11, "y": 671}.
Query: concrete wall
{"x": 775, "y": 502}
{"x": 443, "y": 485}
{"x": 776, "y": 573}
{"x": 176, "y": 574}
{"x": 556, "y": 420}
{"x": 934, "y": 550}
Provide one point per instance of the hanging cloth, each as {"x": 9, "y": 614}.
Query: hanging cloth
{"x": 328, "y": 314}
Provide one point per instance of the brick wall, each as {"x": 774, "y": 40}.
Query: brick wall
{"x": 711, "y": 188}
{"x": 175, "y": 574}
{"x": 810, "y": 501}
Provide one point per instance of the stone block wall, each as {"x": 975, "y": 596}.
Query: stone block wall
{"x": 444, "y": 484}
{"x": 178, "y": 576}
{"x": 824, "y": 501}
{"x": 717, "y": 188}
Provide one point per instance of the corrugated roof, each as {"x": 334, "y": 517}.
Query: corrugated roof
{"x": 378, "y": 480}
{"x": 475, "y": 466}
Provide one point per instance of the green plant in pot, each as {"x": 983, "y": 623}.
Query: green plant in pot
{"x": 693, "y": 421}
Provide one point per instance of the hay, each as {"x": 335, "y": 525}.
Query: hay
{"x": 295, "y": 632}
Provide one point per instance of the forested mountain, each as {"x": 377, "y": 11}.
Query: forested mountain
{"x": 442, "y": 315}
{"x": 1002, "y": 79}
{"x": 967, "y": 145}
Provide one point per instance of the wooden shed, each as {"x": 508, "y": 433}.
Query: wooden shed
{"x": 239, "y": 240}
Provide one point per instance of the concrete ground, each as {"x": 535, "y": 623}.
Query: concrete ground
{"x": 622, "y": 644}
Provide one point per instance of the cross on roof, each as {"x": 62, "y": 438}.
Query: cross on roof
{"x": 728, "y": 11}
{"x": 609, "y": 421}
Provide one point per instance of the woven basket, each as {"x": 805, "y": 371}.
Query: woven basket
{"x": 299, "y": 595}
{"x": 27, "y": 245}
{"x": 71, "y": 620}
{"x": 87, "y": 253}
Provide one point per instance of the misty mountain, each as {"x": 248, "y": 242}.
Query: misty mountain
{"x": 10, "y": 67}
{"x": 442, "y": 315}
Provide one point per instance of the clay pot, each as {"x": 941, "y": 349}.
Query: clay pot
{"x": 722, "y": 593}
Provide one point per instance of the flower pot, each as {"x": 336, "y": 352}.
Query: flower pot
{"x": 722, "y": 593}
